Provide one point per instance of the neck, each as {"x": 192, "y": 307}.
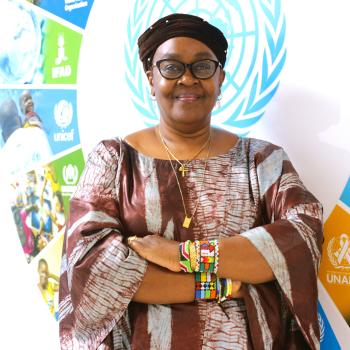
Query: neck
{"x": 184, "y": 141}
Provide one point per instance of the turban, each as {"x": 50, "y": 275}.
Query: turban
{"x": 176, "y": 25}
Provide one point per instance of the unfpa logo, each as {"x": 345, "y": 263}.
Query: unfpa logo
{"x": 256, "y": 35}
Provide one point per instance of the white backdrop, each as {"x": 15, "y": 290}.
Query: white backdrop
{"x": 309, "y": 116}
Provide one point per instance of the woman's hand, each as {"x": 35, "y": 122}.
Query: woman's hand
{"x": 236, "y": 289}
{"x": 158, "y": 250}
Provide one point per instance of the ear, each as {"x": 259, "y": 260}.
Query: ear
{"x": 150, "y": 81}
{"x": 221, "y": 77}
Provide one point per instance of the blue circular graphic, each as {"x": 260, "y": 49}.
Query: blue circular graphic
{"x": 20, "y": 44}
{"x": 255, "y": 31}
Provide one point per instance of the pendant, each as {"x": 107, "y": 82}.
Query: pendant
{"x": 183, "y": 169}
{"x": 187, "y": 222}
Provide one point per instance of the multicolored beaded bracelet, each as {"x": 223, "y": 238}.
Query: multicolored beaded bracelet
{"x": 202, "y": 257}
{"x": 184, "y": 254}
{"x": 224, "y": 289}
{"x": 199, "y": 256}
{"x": 216, "y": 263}
{"x": 209, "y": 287}
{"x": 193, "y": 256}
{"x": 197, "y": 246}
{"x": 207, "y": 255}
{"x": 205, "y": 286}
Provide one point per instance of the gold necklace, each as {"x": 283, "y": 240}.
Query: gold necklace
{"x": 187, "y": 220}
{"x": 183, "y": 166}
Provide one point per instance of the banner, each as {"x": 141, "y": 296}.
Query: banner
{"x": 40, "y": 149}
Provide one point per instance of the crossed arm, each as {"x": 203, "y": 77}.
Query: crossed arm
{"x": 163, "y": 282}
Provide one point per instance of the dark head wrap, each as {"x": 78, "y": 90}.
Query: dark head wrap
{"x": 176, "y": 25}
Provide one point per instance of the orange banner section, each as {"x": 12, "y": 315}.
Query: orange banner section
{"x": 335, "y": 264}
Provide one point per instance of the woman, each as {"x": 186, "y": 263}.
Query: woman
{"x": 151, "y": 208}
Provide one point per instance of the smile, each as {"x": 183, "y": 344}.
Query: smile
{"x": 188, "y": 97}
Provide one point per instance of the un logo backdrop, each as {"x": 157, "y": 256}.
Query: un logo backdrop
{"x": 255, "y": 31}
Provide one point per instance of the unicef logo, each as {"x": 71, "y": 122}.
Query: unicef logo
{"x": 63, "y": 112}
{"x": 256, "y": 35}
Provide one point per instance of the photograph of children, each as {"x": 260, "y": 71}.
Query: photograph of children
{"x": 23, "y": 142}
{"x": 37, "y": 207}
{"x": 36, "y": 125}
{"x": 48, "y": 271}
{"x": 48, "y": 285}
{"x": 26, "y": 104}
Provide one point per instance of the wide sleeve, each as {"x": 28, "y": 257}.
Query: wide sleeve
{"x": 290, "y": 240}
{"x": 99, "y": 273}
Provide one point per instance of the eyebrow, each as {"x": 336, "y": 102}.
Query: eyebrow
{"x": 201, "y": 54}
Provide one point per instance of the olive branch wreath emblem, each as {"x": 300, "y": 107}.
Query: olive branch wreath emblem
{"x": 322, "y": 327}
{"x": 263, "y": 83}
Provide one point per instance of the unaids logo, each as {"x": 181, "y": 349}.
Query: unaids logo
{"x": 256, "y": 55}
{"x": 63, "y": 112}
{"x": 338, "y": 250}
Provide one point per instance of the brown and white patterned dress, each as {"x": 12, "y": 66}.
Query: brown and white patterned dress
{"x": 253, "y": 189}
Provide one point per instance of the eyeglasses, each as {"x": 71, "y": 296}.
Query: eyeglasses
{"x": 173, "y": 69}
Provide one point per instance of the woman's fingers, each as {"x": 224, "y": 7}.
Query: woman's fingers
{"x": 158, "y": 250}
{"x": 136, "y": 244}
{"x": 131, "y": 238}
{"x": 236, "y": 286}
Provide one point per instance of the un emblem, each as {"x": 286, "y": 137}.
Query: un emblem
{"x": 255, "y": 31}
{"x": 322, "y": 327}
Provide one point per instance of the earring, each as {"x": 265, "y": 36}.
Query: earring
{"x": 153, "y": 98}
{"x": 218, "y": 101}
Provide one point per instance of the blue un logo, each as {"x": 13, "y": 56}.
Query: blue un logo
{"x": 256, "y": 55}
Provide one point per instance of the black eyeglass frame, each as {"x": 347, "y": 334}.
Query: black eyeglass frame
{"x": 186, "y": 65}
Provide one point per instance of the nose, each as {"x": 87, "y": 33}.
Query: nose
{"x": 187, "y": 78}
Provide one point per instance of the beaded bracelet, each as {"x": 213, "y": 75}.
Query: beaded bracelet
{"x": 197, "y": 245}
{"x": 207, "y": 255}
{"x": 205, "y": 286}
{"x": 216, "y": 263}
{"x": 184, "y": 253}
{"x": 224, "y": 289}
{"x": 208, "y": 287}
{"x": 193, "y": 256}
{"x": 199, "y": 256}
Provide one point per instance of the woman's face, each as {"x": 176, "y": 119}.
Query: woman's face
{"x": 186, "y": 100}
{"x": 43, "y": 274}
